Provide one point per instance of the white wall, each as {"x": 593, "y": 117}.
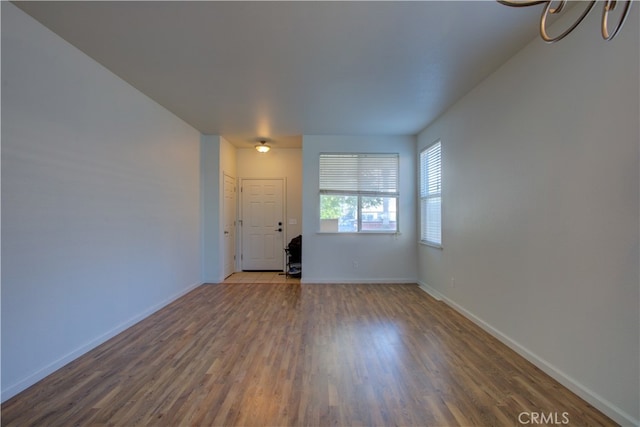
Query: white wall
{"x": 217, "y": 157}
{"x": 100, "y": 203}
{"x": 228, "y": 160}
{"x": 540, "y": 214}
{"x": 210, "y": 151}
{"x": 379, "y": 257}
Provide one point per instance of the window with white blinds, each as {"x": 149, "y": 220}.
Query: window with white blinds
{"x": 359, "y": 192}
{"x": 374, "y": 174}
{"x": 431, "y": 195}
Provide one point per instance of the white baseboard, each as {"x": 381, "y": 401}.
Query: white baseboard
{"x": 428, "y": 289}
{"x": 608, "y": 408}
{"x": 23, "y": 384}
{"x": 321, "y": 281}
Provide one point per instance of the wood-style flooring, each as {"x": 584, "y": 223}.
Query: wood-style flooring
{"x": 261, "y": 277}
{"x": 252, "y": 354}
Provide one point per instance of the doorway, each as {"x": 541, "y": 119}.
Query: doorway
{"x": 229, "y": 225}
{"x": 262, "y": 224}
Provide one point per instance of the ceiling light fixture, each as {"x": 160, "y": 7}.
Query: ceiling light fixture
{"x": 608, "y": 6}
{"x": 262, "y": 147}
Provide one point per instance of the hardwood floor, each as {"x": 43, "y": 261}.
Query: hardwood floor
{"x": 261, "y": 277}
{"x": 291, "y": 355}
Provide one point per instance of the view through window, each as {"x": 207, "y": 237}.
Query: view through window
{"x": 359, "y": 192}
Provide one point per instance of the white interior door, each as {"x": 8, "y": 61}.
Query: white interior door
{"x": 262, "y": 224}
{"x": 229, "y": 224}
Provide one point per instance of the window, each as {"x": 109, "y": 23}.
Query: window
{"x": 431, "y": 195}
{"x": 359, "y": 193}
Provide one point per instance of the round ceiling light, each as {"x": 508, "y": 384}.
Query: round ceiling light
{"x": 262, "y": 147}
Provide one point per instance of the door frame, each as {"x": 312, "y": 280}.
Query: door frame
{"x": 240, "y": 215}
{"x": 235, "y": 225}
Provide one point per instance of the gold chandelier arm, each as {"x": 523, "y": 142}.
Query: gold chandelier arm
{"x": 548, "y": 9}
{"x": 608, "y": 7}
{"x": 558, "y": 9}
{"x": 522, "y": 3}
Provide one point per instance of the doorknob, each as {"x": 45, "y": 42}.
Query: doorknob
{"x": 226, "y": 232}
{"x": 279, "y": 229}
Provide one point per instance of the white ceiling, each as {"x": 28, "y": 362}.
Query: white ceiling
{"x": 279, "y": 70}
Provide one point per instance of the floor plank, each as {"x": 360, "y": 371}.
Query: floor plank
{"x": 285, "y": 354}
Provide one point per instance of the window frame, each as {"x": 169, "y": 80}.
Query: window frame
{"x": 425, "y": 195}
{"x": 360, "y": 195}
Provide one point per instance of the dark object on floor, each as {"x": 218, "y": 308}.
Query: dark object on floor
{"x": 294, "y": 257}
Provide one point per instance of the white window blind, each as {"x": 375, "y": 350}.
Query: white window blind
{"x": 361, "y": 174}
{"x": 431, "y": 195}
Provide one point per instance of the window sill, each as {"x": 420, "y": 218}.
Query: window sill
{"x": 431, "y": 245}
{"x": 359, "y": 233}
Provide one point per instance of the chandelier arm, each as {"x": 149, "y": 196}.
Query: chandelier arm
{"x": 543, "y": 21}
{"x": 556, "y": 10}
{"x": 609, "y": 6}
{"x": 523, "y": 3}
